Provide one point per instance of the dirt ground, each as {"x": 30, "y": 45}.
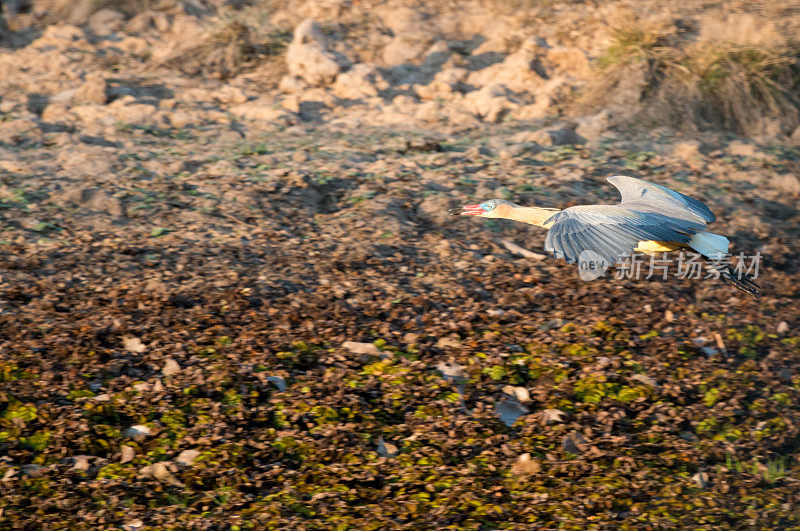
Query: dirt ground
{"x": 214, "y": 320}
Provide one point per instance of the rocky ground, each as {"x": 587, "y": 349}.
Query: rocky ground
{"x": 231, "y": 295}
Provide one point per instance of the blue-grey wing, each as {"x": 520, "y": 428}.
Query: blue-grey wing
{"x": 643, "y": 196}
{"x": 612, "y": 231}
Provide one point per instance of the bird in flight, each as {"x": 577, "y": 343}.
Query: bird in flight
{"x": 650, "y": 219}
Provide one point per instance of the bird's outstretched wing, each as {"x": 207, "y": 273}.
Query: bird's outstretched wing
{"x": 642, "y": 196}
{"x": 612, "y": 231}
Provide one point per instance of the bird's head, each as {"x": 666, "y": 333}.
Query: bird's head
{"x": 493, "y": 208}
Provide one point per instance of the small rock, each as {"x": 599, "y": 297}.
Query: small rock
{"x": 592, "y": 127}
{"x": 160, "y": 472}
{"x": 9, "y": 105}
{"x": 292, "y": 84}
{"x": 688, "y": 436}
{"x": 686, "y": 151}
{"x": 258, "y": 110}
{"x": 386, "y": 449}
{"x": 741, "y": 149}
{"x": 709, "y": 351}
{"x": 575, "y": 443}
{"x": 552, "y": 324}
{"x": 435, "y": 208}
{"x": 308, "y": 57}
{"x": 701, "y": 479}
{"x": 33, "y": 470}
{"x": 187, "y": 457}
{"x": 134, "y": 344}
{"x": 525, "y": 466}
{"x": 643, "y": 378}
{"x": 491, "y": 102}
{"x": 132, "y": 525}
{"x": 448, "y": 342}
{"x": 520, "y": 393}
{"x": 80, "y": 462}
{"x": 669, "y": 316}
{"x": 786, "y": 182}
{"x": 92, "y": 91}
{"x": 278, "y": 382}
{"x": 783, "y": 327}
{"x": 451, "y": 371}
{"x": 138, "y": 432}
{"x": 64, "y": 97}
{"x": 361, "y": 348}
{"x": 300, "y": 156}
{"x": 171, "y": 367}
{"x": 551, "y": 416}
{"x": 127, "y": 454}
{"x": 648, "y": 308}
{"x": 229, "y": 94}
{"x": 509, "y": 411}
{"x": 359, "y": 82}
{"x": 106, "y": 21}
{"x": 555, "y": 136}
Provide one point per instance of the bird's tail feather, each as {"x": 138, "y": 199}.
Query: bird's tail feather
{"x": 742, "y": 282}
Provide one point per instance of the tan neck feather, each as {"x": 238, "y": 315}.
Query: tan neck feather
{"x": 532, "y": 215}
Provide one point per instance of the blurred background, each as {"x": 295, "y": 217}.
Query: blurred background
{"x": 231, "y": 295}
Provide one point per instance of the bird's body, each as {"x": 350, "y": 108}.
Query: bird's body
{"x": 649, "y": 219}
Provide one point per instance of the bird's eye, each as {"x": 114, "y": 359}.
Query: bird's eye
{"x": 487, "y": 206}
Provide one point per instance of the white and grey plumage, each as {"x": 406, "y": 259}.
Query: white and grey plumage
{"x": 647, "y": 212}
{"x": 649, "y": 218}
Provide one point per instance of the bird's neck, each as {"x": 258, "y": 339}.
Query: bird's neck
{"x": 532, "y": 215}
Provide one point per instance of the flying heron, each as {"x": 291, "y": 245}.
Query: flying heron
{"x": 650, "y": 219}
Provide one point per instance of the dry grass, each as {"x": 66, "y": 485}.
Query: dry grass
{"x": 744, "y": 88}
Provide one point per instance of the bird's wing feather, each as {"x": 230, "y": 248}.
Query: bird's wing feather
{"x": 612, "y": 231}
{"x": 643, "y": 196}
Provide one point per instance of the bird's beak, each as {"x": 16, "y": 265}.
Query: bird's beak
{"x": 467, "y": 210}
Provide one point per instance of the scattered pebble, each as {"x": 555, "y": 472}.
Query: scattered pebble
{"x": 278, "y": 382}
{"x": 134, "y": 344}
{"x": 171, "y": 367}
{"x": 525, "y": 466}
{"x": 162, "y": 473}
{"x": 701, "y": 479}
{"x": 519, "y": 393}
{"x": 643, "y": 378}
{"x": 509, "y": 411}
{"x": 127, "y": 454}
{"x": 34, "y": 470}
{"x": 448, "y": 342}
{"x": 451, "y": 371}
{"x": 361, "y": 348}
{"x": 575, "y": 443}
{"x": 187, "y": 457}
{"x": 138, "y": 432}
{"x": 132, "y": 525}
{"x": 386, "y": 449}
{"x": 551, "y": 416}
